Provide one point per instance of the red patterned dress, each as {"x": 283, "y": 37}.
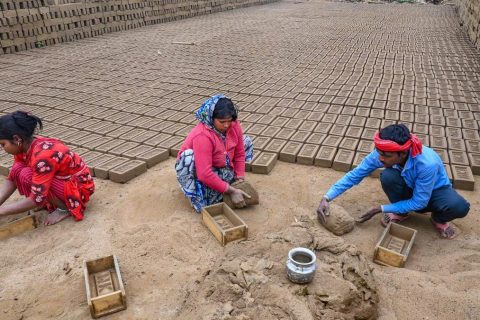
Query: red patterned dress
{"x": 50, "y": 169}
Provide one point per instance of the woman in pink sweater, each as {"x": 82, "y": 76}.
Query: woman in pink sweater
{"x": 213, "y": 155}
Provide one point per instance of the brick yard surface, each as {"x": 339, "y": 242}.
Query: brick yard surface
{"x": 313, "y": 82}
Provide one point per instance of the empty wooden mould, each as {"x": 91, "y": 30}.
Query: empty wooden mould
{"x": 394, "y": 245}
{"x": 104, "y": 286}
{"x": 225, "y": 225}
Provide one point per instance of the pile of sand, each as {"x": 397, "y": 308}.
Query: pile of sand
{"x": 251, "y": 283}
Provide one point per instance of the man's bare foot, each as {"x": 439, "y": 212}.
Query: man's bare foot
{"x": 445, "y": 230}
{"x": 56, "y": 216}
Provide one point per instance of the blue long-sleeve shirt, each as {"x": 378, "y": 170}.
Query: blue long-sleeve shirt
{"x": 422, "y": 174}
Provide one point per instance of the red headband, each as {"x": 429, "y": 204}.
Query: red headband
{"x": 392, "y": 146}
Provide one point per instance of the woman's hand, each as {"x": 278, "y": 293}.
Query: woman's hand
{"x": 370, "y": 214}
{"x": 323, "y": 210}
{"x": 238, "y": 196}
{"x": 19, "y": 206}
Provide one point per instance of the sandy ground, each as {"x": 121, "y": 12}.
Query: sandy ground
{"x": 163, "y": 248}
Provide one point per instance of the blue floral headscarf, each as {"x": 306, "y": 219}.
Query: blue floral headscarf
{"x": 205, "y": 113}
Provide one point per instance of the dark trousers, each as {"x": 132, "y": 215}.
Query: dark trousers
{"x": 445, "y": 203}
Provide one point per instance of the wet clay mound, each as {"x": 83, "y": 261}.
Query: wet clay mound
{"x": 251, "y": 283}
{"x": 339, "y": 221}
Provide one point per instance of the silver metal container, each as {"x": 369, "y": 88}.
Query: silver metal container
{"x": 301, "y": 265}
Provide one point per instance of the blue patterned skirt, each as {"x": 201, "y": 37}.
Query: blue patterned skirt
{"x": 198, "y": 193}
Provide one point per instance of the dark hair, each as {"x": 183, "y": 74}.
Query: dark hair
{"x": 224, "y": 108}
{"x": 20, "y": 123}
{"x": 395, "y": 132}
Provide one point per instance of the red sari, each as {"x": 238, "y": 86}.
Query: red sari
{"x": 53, "y": 167}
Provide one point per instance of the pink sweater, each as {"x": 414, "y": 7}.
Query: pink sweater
{"x": 210, "y": 151}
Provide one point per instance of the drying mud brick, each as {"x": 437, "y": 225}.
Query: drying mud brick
{"x": 122, "y": 148}
{"x": 338, "y": 129}
{"x": 264, "y": 162}
{"x": 474, "y": 163}
{"x": 339, "y": 221}
{"x": 275, "y": 145}
{"x": 323, "y": 127}
{"x": 176, "y": 149}
{"x": 473, "y": 146}
{"x": 109, "y": 145}
{"x": 325, "y": 156}
{"x": 453, "y": 133}
{"x": 307, "y": 154}
{"x": 343, "y": 160}
{"x": 458, "y": 157}
{"x": 256, "y": 129}
{"x": 349, "y": 143}
{"x": 271, "y": 131}
{"x": 365, "y": 146}
{"x": 98, "y": 142}
{"x": 290, "y": 151}
{"x": 438, "y": 142}
{"x": 368, "y": 134}
{"x": 455, "y": 144}
{"x": 134, "y": 152}
{"x": 470, "y": 124}
{"x": 454, "y": 122}
{"x": 154, "y": 156}
{"x": 300, "y": 136}
{"x": 170, "y": 142}
{"x": 248, "y": 189}
{"x": 90, "y": 156}
{"x": 102, "y": 170}
{"x": 285, "y": 133}
{"x": 332, "y": 141}
{"x": 358, "y": 122}
{"x": 386, "y": 123}
{"x": 316, "y": 138}
{"x": 463, "y": 177}
{"x": 127, "y": 171}
{"x": 436, "y": 131}
{"x": 354, "y": 132}
{"x": 92, "y": 164}
{"x": 419, "y": 128}
{"x": 157, "y": 139}
{"x": 471, "y": 134}
{"x": 259, "y": 143}
{"x": 373, "y": 123}
{"x": 248, "y": 166}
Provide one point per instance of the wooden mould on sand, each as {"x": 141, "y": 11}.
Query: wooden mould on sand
{"x": 225, "y": 225}
{"x": 394, "y": 245}
{"x": 104, "y": 286}
{"x": 18, "y": 226}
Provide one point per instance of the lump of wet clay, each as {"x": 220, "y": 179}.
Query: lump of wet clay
{"x": 245, "y": 187}
{"x": 339, "y": 221}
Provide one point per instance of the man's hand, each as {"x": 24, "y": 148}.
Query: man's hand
{"x": 238, "y": 197}
{"x": 323, "y": 210}
{"x": 369, "y": 215}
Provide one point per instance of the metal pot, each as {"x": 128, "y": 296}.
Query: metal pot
{"x": 301, "y": 265}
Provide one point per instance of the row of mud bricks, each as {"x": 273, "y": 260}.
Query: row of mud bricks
{"x": 28, "y": 24}
{"x": 469, "y": 11}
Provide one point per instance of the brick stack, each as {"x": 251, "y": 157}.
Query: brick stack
{"x": 469, "y": 11}
{"x": 37, "y": 23}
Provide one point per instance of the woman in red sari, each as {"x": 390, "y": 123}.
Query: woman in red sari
{"x": 44, "y": 170}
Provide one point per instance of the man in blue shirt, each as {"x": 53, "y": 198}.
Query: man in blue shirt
{"x": 414, "y": 179}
